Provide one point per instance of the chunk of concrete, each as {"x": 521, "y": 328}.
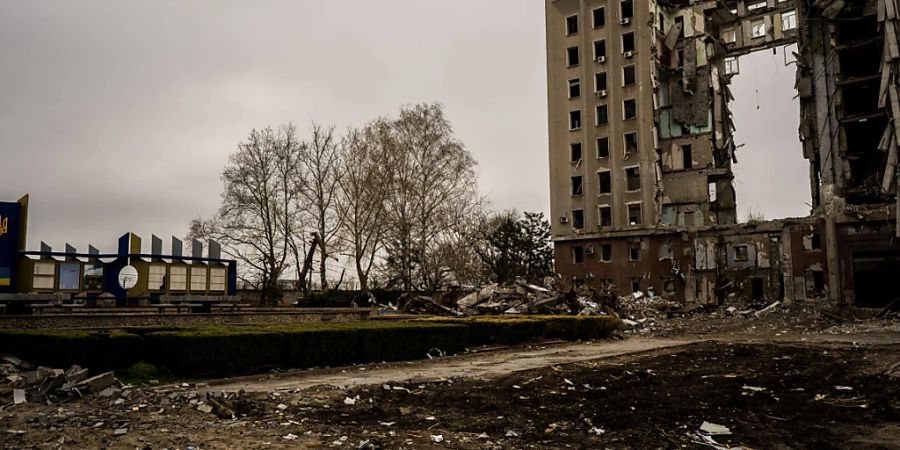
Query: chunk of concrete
{"x": 98, "y": 383}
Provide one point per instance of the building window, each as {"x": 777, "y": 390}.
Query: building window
{"x": 731, "y": 66}
{"x": 687, "y": 157}
{"x": 177, "y": 278}
{"x": 578, "y": 219}
{"x": 575, "y": 152}
{"x": 668, "y": 285}
{"x": 600, "y": 85}
{"x": 156, "y": 277}
{"x": 729, "y": 36}
{"x": 571, "y": 25}
{"x": 198, "y": 278}
{"x": 633, "y": 178}
{"x": 603, "y": 147}
{"x": 572, "y": 56}
{"x": 789, "y": 20}
{"x": 628, "y": 75}
{"x": 602, "y": 115}
{"x": 600, "y": 50}
{"x": 634, "y": 251}
{"x": 635, "y": 284}
{"x": 665, "y": 250}
{"x": 217, "y": 279}
{"x": 689, "y": 218}
{"x": 604, "y": 179}
{"x": 812, "y": 241}
{"x": 631, "y": 143}
{"x": 44, "y": 276}
{"x": 628, "y": 42}
{"x": 605, "y": 216}
{"x": 577, "y": 254}
{"x": 634, "y": 214}
{"x": 574, "y": 119}
{"x": 577, "y": 186}
{"x": 599, "y": 17}
{"x": 755, "y": 6}
{"x": 606, "y": 252}
{"x": 757, "y": 28}
{"x": 574, "y": 88}
{"x": 626, "y": 7}
{"x": 629, "y": 108}
{"x": 741, "y": 253}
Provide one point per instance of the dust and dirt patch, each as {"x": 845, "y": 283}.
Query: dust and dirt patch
{"x": 813, "y": 395}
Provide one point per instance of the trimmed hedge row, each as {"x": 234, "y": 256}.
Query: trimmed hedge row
{"x": 219, "y": 350}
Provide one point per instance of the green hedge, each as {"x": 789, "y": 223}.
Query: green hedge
{"x": 221, "y": 350}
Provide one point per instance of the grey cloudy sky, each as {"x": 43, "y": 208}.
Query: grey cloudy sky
{"x": 118, "y": 116}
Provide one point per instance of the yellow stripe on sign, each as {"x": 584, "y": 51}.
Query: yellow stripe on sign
{"x": 4, "y": 281}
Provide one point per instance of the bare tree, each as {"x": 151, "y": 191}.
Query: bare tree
{"x": 320, "y": 166}
{"x": 433, "y": 180}
{"x": 365, "y": 184}
{"x": 258, "y": 216}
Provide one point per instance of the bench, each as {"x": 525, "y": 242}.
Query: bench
{"x": 231, "y": 306}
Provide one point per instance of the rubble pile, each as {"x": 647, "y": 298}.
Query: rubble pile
{"x": 518, "y": 298}
{"x": 28, "y": 383}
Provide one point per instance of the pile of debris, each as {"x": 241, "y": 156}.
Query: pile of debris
{"x": 28, "y": 383}
{"x": 517, "y": 298}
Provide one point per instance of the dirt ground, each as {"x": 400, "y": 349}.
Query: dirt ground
{"x": 773, "y": 382}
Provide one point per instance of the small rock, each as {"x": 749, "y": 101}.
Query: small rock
{"x": 437, "y": 438}
{"x": 120, "y": 431}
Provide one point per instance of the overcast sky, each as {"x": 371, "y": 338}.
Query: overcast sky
{"x": 118, "y": 116}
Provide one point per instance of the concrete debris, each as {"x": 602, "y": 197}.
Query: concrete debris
{"x": 714, "y": 429}
{"x": 48, "y": 385}
{"x": 437, "y": 438}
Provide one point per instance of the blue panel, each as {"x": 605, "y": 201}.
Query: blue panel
{"x": 9, "y": 244}
{"x": 70, "y": 277}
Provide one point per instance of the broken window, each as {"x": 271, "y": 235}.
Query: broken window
{"x": 712, "y": 191}
{"x": 572, "y": 56}
{"x": 686, "y": 156}
{"x": 629, "y": 108}
{"x": 635, "y": 284}
{"x": 634, "y": 251}
{"x": 665, "y": 250}
{"x": 662, "y": 23}
{"x": 606, "y": 252}
{"x": 577, "y": 186}
{"x": 741, "y": 253}
{"x": 628, "y": 43}
{"x": 731, "y": 66}
{"x": 600, "y": 50}
{"x": 789, "y": 20}
{"x": 812, "y": 241}
{"x": 634, "y": 214}
{"x": 574, "y": 120}
{"x": 668, "y": 215}
{"x": 689, "y": 218}
{"x": 577, "y": 219}
{"x": 815, "y": 282}
{"x": 626, "y": 8}
{"x": 668, "y": 285}
{"x": 575, "y": 152}
{"x": 604, "y": 179}
{"x": 605, "y": 216}
{"x": 633, "y": 178}
{"x": 571, "y": 25}
{"x": 729, "y": 36}
{"x": 599, "y": 17}
{"x": 757, "y": 28}
{"x": 757, "y": 5}
{"x": 577, "y": 254}
{"x": 603, "y": 147}
{"x": 631, "y": 143}
{"x": 600, "y": 85}
{"x": 574, "y": 88}
{"x": 628, "y": 75}
{"x": 679, "y": 22}
{"x": 602, "y": 115}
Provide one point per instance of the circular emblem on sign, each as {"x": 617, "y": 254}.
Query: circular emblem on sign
{"x": 128, "y": 277}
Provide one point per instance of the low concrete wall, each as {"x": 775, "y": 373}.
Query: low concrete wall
{"x": 124, "y": 320}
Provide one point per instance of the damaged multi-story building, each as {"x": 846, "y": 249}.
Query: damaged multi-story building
{"x": 642, "y": 148}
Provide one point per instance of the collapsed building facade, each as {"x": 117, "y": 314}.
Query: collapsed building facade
{"x": 642, "y": 147}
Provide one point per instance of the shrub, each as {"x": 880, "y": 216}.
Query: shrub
{"x": 98, "y": 350}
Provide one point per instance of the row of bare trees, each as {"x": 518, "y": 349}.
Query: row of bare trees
{"x": 394, "y": 198}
